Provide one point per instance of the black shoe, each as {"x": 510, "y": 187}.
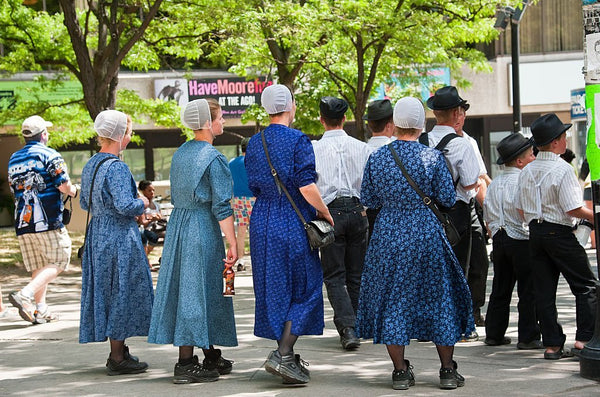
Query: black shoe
{"x": 214, "y": 360}
{"x": 534, "y": 344}
{"x": 557, "y": 355}
{"x": 349, "y": 339}
{"x": 287, "y": 367}
{"x": 497, "y": 342}
{"x": 403, "y": 379}
{"x": 450, "y": 378}
{"x": 127, "y": 366}
{"x": 193, "y": 373}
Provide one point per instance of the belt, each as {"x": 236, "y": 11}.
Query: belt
{"x": 344, "y": 200}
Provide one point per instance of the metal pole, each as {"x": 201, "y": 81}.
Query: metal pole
{"x": 516, "y": 90}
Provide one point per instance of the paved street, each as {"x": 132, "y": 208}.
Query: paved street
{"x": 48, "y": 360}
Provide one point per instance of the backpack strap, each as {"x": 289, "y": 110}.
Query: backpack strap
{"x": 445, "y": 140}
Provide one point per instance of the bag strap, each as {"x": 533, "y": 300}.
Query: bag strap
{"x": 87, "y": 221}
{"x": 445, "y": 140}
{"x": 426, "y": 199}
{"x": 424, "y": 139}
{"x": 278, "y": 182}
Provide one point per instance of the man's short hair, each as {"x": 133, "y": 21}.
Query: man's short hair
{"x": 379, "y": 125}
{"x": 144, "y": 183}
{"x": 332, "y": 122}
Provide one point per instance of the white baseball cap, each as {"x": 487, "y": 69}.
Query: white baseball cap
{"x": 34, "y": 125}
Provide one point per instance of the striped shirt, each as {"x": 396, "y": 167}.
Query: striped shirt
{"x": 461, "y": 160}
{"x": 548, "y": 189}
{"x": 473, "y": 142}
{"x": 499, "y": 209}
{"x": 378, "y": 141}
{"x": 340, "y": 162}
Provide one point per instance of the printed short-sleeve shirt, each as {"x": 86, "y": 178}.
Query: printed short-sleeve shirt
{"x": 34, "y": 175}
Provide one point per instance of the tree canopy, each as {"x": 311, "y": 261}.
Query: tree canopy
{"x": 343, "y": 48}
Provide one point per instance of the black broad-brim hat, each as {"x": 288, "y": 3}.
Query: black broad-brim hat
{"x": 512, "y": 146}
{"x": 333, "y": 108}
{"x": 446, "y": 98}
{"x": 379, "y": 110}
{"x": 547, "y": 128}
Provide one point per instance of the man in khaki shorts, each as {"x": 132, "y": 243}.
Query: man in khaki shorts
{"x": 37, "y": 176}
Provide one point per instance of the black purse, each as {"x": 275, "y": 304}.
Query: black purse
{"x": 319, "y": 232}
{"x": 451, "y": 232}
{"x": 67, "y": 212}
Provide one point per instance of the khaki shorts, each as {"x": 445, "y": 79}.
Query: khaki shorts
{"x": 46, "y": 248}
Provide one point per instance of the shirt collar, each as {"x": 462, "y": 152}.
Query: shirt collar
{"x": 511, "y": 170}
{"x": 544, "y": 155}
{"x": 334, "y": 133}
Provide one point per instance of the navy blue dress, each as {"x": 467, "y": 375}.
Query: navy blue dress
{"x": 412, "y": 284}
{"x": 287, "y": 275}
{"x": 116, "y": 286}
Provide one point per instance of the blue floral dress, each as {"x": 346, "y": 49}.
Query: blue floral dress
{"x": 287, "y": 275}
{"x": 412, "y": 284}
{"x": 190, "y": 309}
{"x": 116, "y": 286}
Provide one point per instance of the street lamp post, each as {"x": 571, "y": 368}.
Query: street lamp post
{"x": 514, "y": 15}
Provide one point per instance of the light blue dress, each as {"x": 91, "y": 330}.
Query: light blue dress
{"x": 116, "y": 286}
{"x": 190, "y": 309}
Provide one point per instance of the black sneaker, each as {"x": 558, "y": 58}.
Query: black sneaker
{"x": 286, "y": 367}
{"x": 302, "y": 364}
{"x": 127, "y": 366}
{"x": 216, "y": 361}
{"x": 450, "y": 378}
{"x": 403, "y": 379}
{"x": 193, "y": 373}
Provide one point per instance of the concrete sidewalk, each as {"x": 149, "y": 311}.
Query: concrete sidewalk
{"x": 48, "y": 360}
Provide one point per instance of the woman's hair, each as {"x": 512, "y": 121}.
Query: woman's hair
{"x": 214, "y": 107}
{"x": 144, "y": 184}
{"x": 410, "y": 132}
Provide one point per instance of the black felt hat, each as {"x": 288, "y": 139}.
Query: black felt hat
{"x": 333, "y": 108}
{"x": 379, "y": 110}
{"x": 446, "y": 98}
{"x": 547, "y": 128}
{"x": 511, "y": 146}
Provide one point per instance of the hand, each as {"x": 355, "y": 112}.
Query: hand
{"x": 231, "y": 257}
{"x": 145, "y": 200}
{"x": 326, "y": 216}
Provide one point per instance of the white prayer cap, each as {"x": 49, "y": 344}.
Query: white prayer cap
{"x": 34, "y": 125}
{"x": 409, "y": 113}
{"x": 196, "y": 115}
{"x": 276, "y": 98}
{"x": 111, "y": 124}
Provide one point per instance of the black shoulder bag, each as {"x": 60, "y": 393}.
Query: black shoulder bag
{"x": 320, "y": 232}
{"x": 87, "y": 221}
{"x": 451, "y": 232}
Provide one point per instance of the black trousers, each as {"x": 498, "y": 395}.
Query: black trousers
{"x": 512, "y": 265}
{"x": 475, "y": 269}
{"x": 342, "y": 261}
{"x": 554, "y": 251}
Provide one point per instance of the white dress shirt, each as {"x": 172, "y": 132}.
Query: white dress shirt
{"x": 340, "y": 162}
{"x": 461, "y": 158}
{"x": 473, "y": 142}
{"x": 548, "y": 189}
{"x": 378, "y": 141}
{"x": 499, "y": 208}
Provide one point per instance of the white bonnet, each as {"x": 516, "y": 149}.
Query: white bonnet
{"x": 276, "y": 98}
{"x": 196, "y": 115}
{"x": 409, "y": 113}
{"x": 111, "y": 124}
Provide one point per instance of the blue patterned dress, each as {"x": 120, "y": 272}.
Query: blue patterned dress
{"x": 412, "y": 284}
{"x": 287, "y": 275}
{"x": 116, "y": 286}
{"x": 190, "y": 309}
